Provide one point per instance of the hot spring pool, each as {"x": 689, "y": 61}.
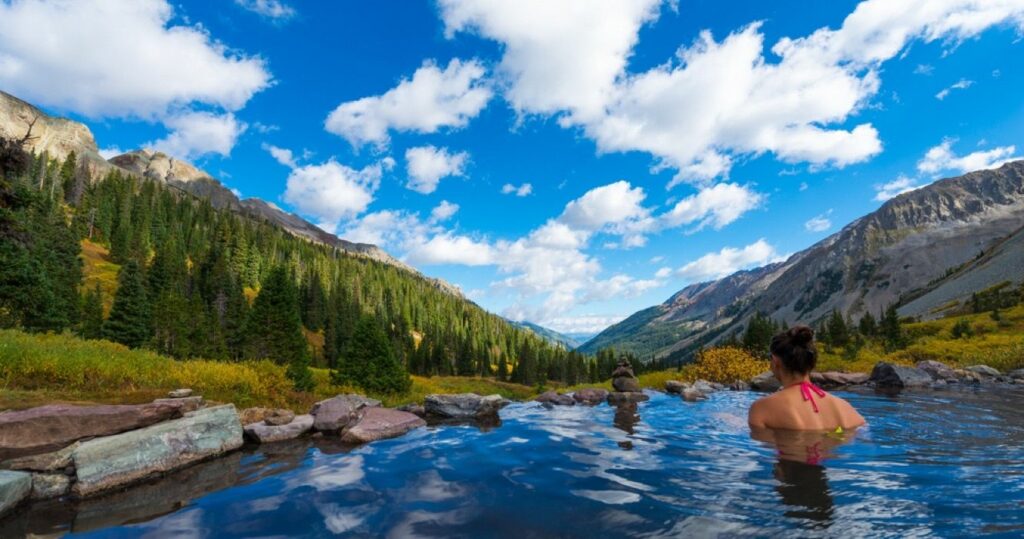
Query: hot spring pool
{"x": 932, "y": 463}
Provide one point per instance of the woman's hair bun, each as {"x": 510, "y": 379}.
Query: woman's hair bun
{"x": 801, "y": 335}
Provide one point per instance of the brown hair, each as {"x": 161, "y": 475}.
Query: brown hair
{"x": 795, "y": 348}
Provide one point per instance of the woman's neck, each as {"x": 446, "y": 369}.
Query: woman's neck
{"x": 790, "y": 379}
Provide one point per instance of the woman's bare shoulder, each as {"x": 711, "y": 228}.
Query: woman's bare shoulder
{"x": 850, "y": 416}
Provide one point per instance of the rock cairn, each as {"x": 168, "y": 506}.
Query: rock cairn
{"x": 625, "y": 384}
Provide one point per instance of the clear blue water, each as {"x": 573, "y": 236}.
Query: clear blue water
{"x": 931, "y": 464}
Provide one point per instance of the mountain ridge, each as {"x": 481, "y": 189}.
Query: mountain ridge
{"x": 913, "y": 246}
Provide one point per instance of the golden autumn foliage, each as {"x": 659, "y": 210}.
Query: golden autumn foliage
{"x": 723, "y": 365}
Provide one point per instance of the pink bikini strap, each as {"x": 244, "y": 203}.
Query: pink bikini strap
{"x": 808, "y": 390}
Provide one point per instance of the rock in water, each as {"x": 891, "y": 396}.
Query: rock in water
{"x": 415, "y": 409}
{"x": 464, "y": 406}
{"x": 380, "y": 424}
{"x": 279, "y": 417}
{"x": 336, "y": 413}
{"x": 49, "y": 485}
{"x": 615, "y": 398}
{"x": 51, "y": 427}
{"x": 830, "y": 379}
{"x": 590, "y": 395}
{"x": 624, "y": 384}
{"x": 889, "y": 375}
{"x": 1016, "y": 374}
{"x": 14, "y": 487}
{"x": 984, "y": 370}
{"x": 939, "y": 371}
{"x": 553, "y": 397}
{"x": 766, "y": 381}
{"x": 692, "y": 394}
{"x": 105, "y": 463}
{"x": 180, "y": 393}
{"x": 675, "y": 387}
{"x": 265, "y": 433}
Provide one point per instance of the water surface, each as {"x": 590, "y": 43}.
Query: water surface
{"x": 932, "y": 464}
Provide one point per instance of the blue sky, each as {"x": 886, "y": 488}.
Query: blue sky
{"x": 662, "y": 143}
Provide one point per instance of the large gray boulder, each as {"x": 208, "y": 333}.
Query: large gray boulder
{"x": 590, "y": 395}
{"x": 626, "y": 384}
{"x": 938, "y": 370}
{"x": 265, "y": 433}
{"x": 46, "y": 486}
{"x": 380, "y": 424}
{"x": 14, "y": 487}
{"x": 106, "y": 463}
{"x": 464, "y": 406}
{"x": 47, "y": 428}
{"x": 889, "y": 375}
{"x": 766, "y": 381}
{"x": 1016, "y": 374}
{"x": 675, "y": 387}
{"x": 555, "y": 398}
{"x": 334, "y": 414}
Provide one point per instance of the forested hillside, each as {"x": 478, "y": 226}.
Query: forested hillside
{"x": 195, "y": 281}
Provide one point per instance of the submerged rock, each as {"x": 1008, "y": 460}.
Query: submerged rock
{"x": 279, "y": 417}
{"x": 334, "y": 414}
{"x": 553, "y": 397}
{"x": 984, "y": 370}
{"x": 110, "y": 462}
{"x": 45, "y": 462}
{"x": 180, "y": 393}
{"x": 692, "y": 394}
{"x": 51, "y": 427}
{"x": 830, "y": 379}
{"x": 380, "y": 424}
{"x": 766, "y": 381}
{"x": 49, "y": 485}
{"x": 14, "y": 487}
{"x": 889, "y": 375}
{"x": 616, "y": 398}
{"x": 464, "y": 406}
{"x": 937, "y": 370}
{"x": 1016, "y": 374}
{"x": 264, "y": 432}
{"x": 590, "y": 395}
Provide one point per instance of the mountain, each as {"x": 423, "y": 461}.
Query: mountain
{"x": 550, "y": 335}
{"x": 926, "y": 250}
{"x": 58, "y": 137}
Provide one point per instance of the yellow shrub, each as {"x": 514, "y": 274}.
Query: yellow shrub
{"x": 724, "y": 364}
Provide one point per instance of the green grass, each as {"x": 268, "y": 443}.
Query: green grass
{"x": 38, "y": 369}
{"x": 98, "y": 269}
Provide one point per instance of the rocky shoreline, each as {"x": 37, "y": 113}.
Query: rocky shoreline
{"x": 80, "y": 452}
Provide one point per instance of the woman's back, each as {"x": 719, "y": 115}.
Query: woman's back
{"x": 804, "y": 406}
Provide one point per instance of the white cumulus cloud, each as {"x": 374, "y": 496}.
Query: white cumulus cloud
{"x": 521, "y": 191}
{"x": 728, "y": 261}
{"x": 428, "y": 165}
{"x": 902, "y": 184}
{"x": 432, "y": 99}
{"x": 715, "y": 206}
{"x": 961, "y": 84}
{"x": 329, "y": 192}
{"x": 941, "y": 158}
{"x": 819, "y": 223}
{"x": 443, "y": 211}
{"x": 275, "y": 10}
{"x": 196, "y": 134}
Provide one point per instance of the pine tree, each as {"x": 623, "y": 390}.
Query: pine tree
{"x": 838, "y": 334}
{"x": 890, "y": 329}
{"x": 90, "y": 325}
{"x": 758, "y": 334}
{"x": 274, "y": 328}
{"x": 370, "y": 361}
{"x": 129, "y": 320}
{"x": 867, "y": 326}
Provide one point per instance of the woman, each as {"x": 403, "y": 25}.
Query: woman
{"x": 800, "y": 405}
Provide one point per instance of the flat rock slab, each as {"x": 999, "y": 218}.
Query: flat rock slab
{"x": 46, "y": 462}
{"x": 937, "y": 370}
{"x": 984, "y": 370}
{"x": 185, "y": 404}
{"x": 616, "y": 398}
{"x": 889, "y": 375}
{"x": 279, "y": 417}
{"x": 52, "y": 427}
{"x": 381, "y": 424}
{"x": 464, "y": 406}
{"x": 334, "y": 414}
{"x": 105, "y": 463}
{"x": 553, "y": 397}
{"x": 264, "y": 433}
{"x": 47, "y": 486}
{"x": 180, "y": 393}
{"x": 14, "y": 487}
{"x": 590, "y": 395}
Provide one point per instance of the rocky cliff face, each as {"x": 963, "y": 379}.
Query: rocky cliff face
{"x": 56, "y": 136}
{"x": 922, "y": 250}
